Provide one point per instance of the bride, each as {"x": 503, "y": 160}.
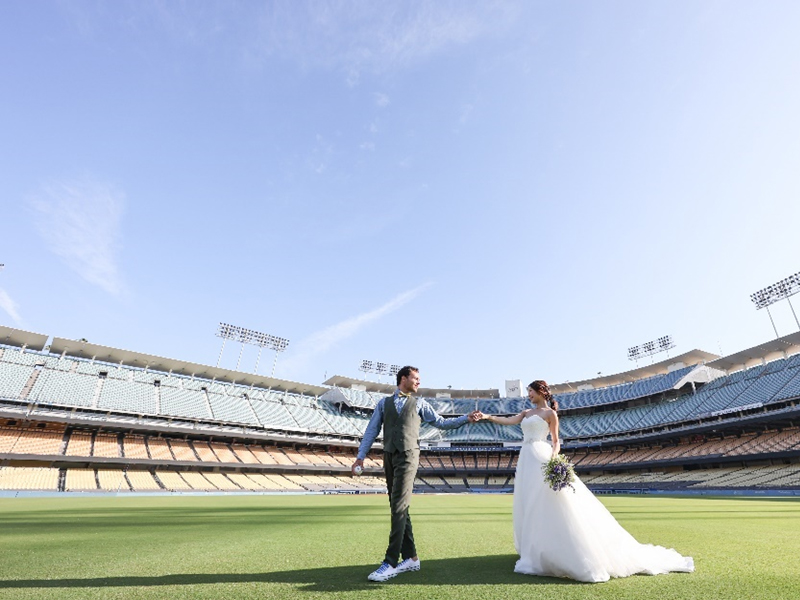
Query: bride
{"x": 569, "y": 534}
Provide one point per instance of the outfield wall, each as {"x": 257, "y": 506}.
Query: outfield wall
{"x": 619, "y": 492}
{"x": 710, "y": 492}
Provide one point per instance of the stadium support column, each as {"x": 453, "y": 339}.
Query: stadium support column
{"x": 771, "y": 320}
{"x": 274, "y": 364}
{"x": 789, "y": 300}
{"x": 249, "y": 336}
{"x": 278, "y": 345}
{"x": 258, "y": 358}
{"x": 219, "y": 358}
{"x": 238, "y": 360}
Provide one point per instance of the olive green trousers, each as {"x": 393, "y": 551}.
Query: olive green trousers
{"x": 400, "y": 468}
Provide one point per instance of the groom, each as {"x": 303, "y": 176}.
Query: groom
{"x": 401, "y": 415}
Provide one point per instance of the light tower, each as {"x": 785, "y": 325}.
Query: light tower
{"x": 776, "y": 292}
{"x": 662, "y": 344}
{"x": 254, "y": 338}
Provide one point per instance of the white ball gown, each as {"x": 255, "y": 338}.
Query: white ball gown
{"x": 571, "y": 534}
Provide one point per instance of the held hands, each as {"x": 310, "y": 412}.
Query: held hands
{"x": 476, "y": 416}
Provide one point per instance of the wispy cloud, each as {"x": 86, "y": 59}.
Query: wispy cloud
{"x": 322, "y": 341}
{"x": 320, "y": 155}
{"x": 80, "y": 222}
{"x": 8, "y": 305}
{"x": 381, "y": 100}
{"x": 198, "y": 23}
{"x": 350, "y": 36}
{"x": 355, "y": 36}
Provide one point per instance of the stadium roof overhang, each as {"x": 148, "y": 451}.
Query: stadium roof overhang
{"x": 688, "y": 359}
{"x": 389, "y": 388}
{"x": 766, "y": 352}
{"x": 22, "y": 339}
{"x": 170, "y": 365}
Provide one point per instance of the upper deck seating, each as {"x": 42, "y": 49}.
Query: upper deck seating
{"x": 309, "y": 419}
{"x": 232, "y": 408}
{"x": 183, "y": 402}
{"x": 361, "y": 399}
{"x": 13, "y": 378}
{"x": 626, "y": 391}
{"x": 67, "y": 389}
{"x": 340, "y": 422}
{"x": 128, "y": 396}
{"x": 272, "y": 413}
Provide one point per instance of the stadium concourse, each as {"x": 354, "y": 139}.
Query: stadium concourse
{"x": 81, "y": 418}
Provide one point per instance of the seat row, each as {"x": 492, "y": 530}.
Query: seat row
{"x": 80, "y": 443}
{"x": 770, "y": 477}
{"x": 69, "y": 381}
{"x": 75, "y": 382}
{"x": 758, "y": 477}
{"x": 118, "y": 480}
{"x": 468, "y": 461}
{"x": 743, "y": 445}
{"x": 436, "y": 483}
{"x": 618, "y": 393}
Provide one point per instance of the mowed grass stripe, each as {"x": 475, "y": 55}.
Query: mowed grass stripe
{"x": 324, "y": 547}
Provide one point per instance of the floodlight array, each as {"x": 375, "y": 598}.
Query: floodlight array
{"x": 378, "y": 368}
{"x": 776, "y": 292}
{"x": 661, "y": 344}
{"x": 249, "y": 336}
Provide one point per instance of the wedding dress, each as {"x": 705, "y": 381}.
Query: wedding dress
{"x": 571, "y": 534}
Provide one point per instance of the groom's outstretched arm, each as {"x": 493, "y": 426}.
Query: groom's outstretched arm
{"x": 429, "y": 415}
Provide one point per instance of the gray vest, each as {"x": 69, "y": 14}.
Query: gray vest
{"x": 400, "y": 430}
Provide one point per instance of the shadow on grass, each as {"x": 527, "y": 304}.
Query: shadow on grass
{"x": 473, "y": 570}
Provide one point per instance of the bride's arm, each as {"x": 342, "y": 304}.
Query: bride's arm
{"x": 515, "y": 420}
{"x": 553, "y": 422}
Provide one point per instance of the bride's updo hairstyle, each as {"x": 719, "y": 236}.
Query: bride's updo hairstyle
{"x": 541, "y": 386}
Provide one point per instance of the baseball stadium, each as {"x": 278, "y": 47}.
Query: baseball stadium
{"x": 495, "y": 200}
{"x": 104, "y": 450}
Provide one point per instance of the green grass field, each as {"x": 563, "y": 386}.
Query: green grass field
{"x": 324, "y": 546}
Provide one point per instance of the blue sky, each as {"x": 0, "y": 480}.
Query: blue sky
{"x": 488, "y": 190}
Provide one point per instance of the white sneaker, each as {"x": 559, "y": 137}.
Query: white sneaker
{"x": 382, "y": 573}
{"x": 408, "y": 564}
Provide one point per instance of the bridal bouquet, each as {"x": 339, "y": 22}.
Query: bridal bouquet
{"x": 558, "y": 473}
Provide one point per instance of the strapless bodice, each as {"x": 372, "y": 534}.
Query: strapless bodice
{"x": 534, "y": 429}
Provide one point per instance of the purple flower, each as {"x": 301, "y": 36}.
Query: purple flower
{"x": 559, "y": 473}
